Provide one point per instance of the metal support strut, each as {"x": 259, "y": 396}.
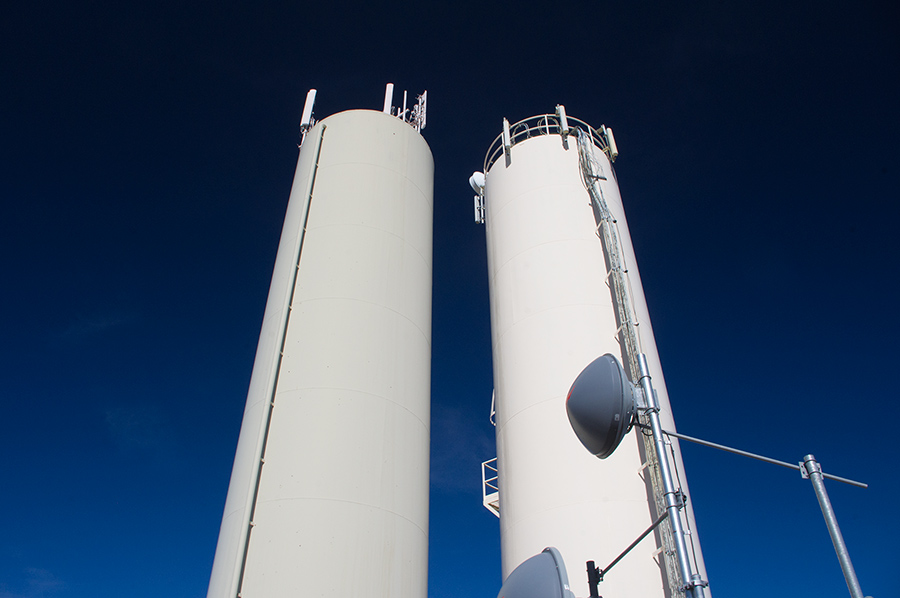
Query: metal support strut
{"x": 810, "y": 468}
{"x": 596, "y": 574}
{"x": 693, "y": 584}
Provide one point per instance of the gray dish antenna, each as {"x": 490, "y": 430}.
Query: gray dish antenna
{"x": 541, "y": 576}
{"x": 601, "y": 405}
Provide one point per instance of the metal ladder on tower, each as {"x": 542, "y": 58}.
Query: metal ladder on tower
{"x": 616, "y": 277}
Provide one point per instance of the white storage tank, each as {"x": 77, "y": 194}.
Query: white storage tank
{"x": 552, "y": 313}
{"x": 329, "y": 491}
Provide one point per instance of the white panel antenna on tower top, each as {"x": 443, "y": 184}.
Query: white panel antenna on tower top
{"x": 306, "y": 121}
{"x": 388, "y": 98}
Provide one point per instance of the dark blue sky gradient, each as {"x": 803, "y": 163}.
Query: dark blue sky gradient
{"x": 146, "y": 155}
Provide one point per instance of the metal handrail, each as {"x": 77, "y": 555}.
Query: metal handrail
{"x": 543, "y": 124}
{"x": 490, "y": 499}
{"x": 487, "y": 481}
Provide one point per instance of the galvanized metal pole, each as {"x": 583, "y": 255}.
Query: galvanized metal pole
{"x": 813, "y": 471}
{"x": 692, "y": 584}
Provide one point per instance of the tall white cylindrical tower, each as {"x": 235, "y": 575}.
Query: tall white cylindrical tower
{"x": 329, "y": 491}
{"x": 553, "y": 311}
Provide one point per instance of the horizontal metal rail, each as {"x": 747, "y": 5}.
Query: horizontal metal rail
{"x": 728, "y": 449}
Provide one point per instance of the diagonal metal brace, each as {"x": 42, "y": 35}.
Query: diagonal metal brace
{"x": 595, "y": 574}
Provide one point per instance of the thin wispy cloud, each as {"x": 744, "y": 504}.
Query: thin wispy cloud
{"x": 140, "y": 428}
{"x": 94, "y": 325}
{"x": 458, "y": 448}
{"x": 38, "y": 583}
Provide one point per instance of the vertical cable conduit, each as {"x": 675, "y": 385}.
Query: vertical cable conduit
{"x": 273, "y": 384}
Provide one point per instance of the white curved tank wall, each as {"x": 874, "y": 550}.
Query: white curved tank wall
{"x": 551, "y": 315}
{"x": 342, "y": 503}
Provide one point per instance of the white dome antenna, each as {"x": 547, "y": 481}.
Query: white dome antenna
{"x": 477, "y": 181}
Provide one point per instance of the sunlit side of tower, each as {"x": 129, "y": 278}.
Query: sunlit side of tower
{"x": 329, "y": 489}
{"x": 554, "y": 309}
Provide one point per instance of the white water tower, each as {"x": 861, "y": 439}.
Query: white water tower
{"x": 329, "y": 490}
{"x": 564, "y": 290}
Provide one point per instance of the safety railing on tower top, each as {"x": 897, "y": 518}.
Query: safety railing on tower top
{"x": 545, "y": 124}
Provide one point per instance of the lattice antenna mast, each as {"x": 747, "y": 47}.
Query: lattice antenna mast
{"x": 415, "y": 116}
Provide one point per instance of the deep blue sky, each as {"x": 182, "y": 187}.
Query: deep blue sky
{"x": 148, "y": 150}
